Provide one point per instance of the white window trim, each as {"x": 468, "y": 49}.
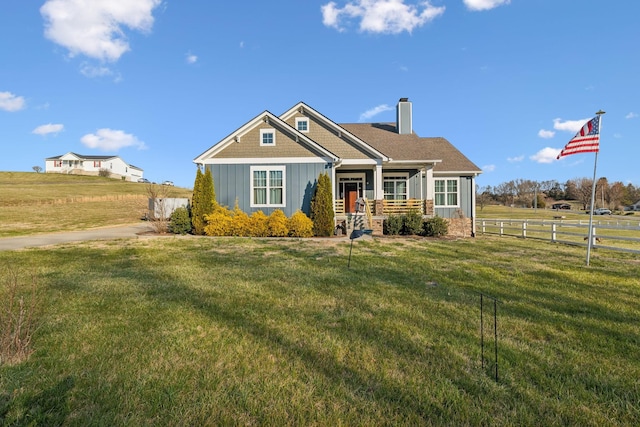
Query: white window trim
{"x": 268, "y": 169}
{"x": 262, "y": 132}
{"x": 397, "y": 174}
{"x": 446, "y": 192}
{"x": 302, "y": 119}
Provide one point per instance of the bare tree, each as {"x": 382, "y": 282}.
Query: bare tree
{"x": 583, "y": 191}
{"x": 37, "y": 169}
{"x": 158, "y": 211}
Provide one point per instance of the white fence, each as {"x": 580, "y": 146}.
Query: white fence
{"x": 621, "y": 235}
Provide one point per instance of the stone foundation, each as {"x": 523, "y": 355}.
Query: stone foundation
{"x": 460, "y": 227}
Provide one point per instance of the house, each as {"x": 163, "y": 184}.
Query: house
{"x": 633, "y": 207}
{"x": 273, "y": 162}
{"x": 77, "y": 164}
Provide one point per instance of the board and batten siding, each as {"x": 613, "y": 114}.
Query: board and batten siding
{"x": 466, "y": 189}
{"x": 233, "y": 182}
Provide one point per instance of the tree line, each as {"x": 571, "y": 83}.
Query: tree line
{"x": 528, "y": 193}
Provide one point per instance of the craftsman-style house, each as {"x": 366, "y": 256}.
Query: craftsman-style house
{"x": 273, "y": 162}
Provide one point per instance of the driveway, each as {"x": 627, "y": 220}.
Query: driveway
{"x": 106, "y": 233}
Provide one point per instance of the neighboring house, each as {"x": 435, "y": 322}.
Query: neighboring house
{"x": 633, "y": 207}
{"x": 273, "y": 162}
{"x": 77, "y": 164}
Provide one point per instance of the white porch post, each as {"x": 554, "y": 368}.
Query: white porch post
{"x": 379, "y": 190}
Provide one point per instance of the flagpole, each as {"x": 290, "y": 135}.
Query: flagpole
{"x": 593, "y": 192}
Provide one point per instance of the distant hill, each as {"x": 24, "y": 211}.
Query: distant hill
{"x": 40, "y": 203}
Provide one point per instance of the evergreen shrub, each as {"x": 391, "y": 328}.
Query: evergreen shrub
{"x": 392, "y": 225}
{"x": 180, "y": 221}
{"x": 277, "y": 224}
{"x": 219, "y": 223}
{"x": 412, "y": 223}
{"x": 436, "y": 227}
{"x": 300, "y": 225}
{"x": 322, "y": 213}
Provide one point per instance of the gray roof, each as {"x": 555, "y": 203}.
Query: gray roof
{"x": 384, "y": 138}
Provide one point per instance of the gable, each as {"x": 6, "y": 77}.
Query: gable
{"x": 329, "y": 138}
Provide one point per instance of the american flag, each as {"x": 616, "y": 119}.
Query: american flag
{"x": 587, "y": 140}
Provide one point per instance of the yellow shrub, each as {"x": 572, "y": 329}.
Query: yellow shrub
{"x": 240, "y": 223}
{"x": 219, "y": 223}
{"x": 300, "y": 225}
{"x": 258, "y": 224}
{"x": 277, "y": 224}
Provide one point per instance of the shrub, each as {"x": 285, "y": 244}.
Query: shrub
{"x": 392, "y": 225}
{"x": 277, "y": 224}
{"x": 18, "y": 318}
{"x": 219, "y": 223}
{"x": 240, "y": 223}
{"x": 180, "y": 221}
{"x": 300, "y": 225}
{"x": 258, "y": 225}
{"x": 322, "y": 213}
{"x": 106, "y": 173}
{"x": 412, "y": 223}
{"x": 436, "y": 227}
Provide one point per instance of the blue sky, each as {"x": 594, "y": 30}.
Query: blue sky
{"x": 158, "y": 82}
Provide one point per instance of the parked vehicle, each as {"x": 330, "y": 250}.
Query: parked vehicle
{"x": 145, "y": 180}
{"x": 602, "y": 211}
{"x": 561, "y": 206}
{"x": 167, "y": 183}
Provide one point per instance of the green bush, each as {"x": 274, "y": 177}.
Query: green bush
{"x": 300, "y": 225}
{"x": 277, "y": 224}
{"x": 436, "y": 227}
{"x": 392, "y": 225}
{"x": 322, "y": 213}
{"x": 180, "y": 221}
{"x": 412, "y": 223}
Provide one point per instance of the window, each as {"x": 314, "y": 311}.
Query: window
{"x": 395, "y": 187}
{"x": 57, "y": 163}
{"x": 267, "y": 186}
{"x": 97, "y": 163}
{"x": 267, "y": 137}
{"x": 446, "y": 192}
{"x": 302, "y": 124}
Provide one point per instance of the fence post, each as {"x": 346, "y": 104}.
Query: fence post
{"x": 593, "y": 242}
{"x": 553, "y": 232}
{"x": 501, "y": 228}
{"x": 524, "y": 229}
{"x": 483, "y": 226}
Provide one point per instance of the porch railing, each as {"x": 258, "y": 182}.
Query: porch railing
{"x": 390, "y": 207}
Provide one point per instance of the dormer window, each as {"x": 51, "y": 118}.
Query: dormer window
{"x": 302, "y": 124}
{"x": 268, "y": 137}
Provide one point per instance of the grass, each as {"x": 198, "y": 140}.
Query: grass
{"x": 42, "y": 203}
{"x": 223, "y": 331}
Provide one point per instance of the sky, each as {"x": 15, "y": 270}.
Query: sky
{"x": 158, "y": 82}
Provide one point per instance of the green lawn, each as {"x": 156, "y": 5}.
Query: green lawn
{"x": 223, "y": 331}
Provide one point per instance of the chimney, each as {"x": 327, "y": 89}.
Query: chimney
{"x": 404, "y": 121}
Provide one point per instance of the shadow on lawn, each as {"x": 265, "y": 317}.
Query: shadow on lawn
{"x": 48, "y": 408}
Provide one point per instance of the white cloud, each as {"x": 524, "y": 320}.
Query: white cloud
{"x": 111, "y": 140}
{"x": 89, "y": 70}
{"x": 47, "y": 129}
{"x": 191, "y": 58}
{"x": 10, "y": 102}
{"x": 374, "y": 112}
{"x": 546, "y": 155}
{"x": 488, "y": 168}
{"x": 381, "y": 16}
{"x": 546, "y": 134}
{"x": 484, "y": 4}
{"x": 631, "y": 115}
{"x": 515, "y": 159}
{"x": 569, "y": 125}
{"x": 95, "y": 28}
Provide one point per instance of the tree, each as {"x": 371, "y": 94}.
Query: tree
{"x": 583, "y": 191}
{"x": 322, "y": 207}
{"x": 37, "y": 169}
{"x": 197, "y": 218}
